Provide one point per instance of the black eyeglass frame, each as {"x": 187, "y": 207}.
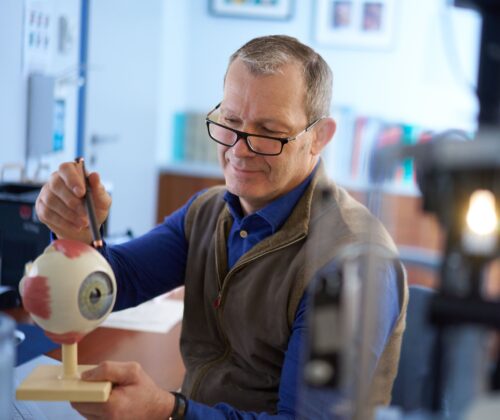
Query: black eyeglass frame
{"x": 243, "y": 135}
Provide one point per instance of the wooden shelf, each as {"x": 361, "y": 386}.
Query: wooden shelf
{"x": 175, "y": 188}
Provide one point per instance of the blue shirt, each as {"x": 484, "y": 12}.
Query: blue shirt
{"x": 155, "y": 263}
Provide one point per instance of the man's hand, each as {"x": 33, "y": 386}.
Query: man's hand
{"x": 61, "y": 207}
{"x": 134, "y": 394}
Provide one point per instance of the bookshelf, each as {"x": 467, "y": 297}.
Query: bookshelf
{"x": 348, "y": 156}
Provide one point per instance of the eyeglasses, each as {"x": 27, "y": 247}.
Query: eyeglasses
{"x": 261, "y": 145}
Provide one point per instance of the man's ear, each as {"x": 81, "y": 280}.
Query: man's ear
{"x": 324, "y": 133}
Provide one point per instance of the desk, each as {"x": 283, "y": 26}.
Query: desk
{"x": 158, "y": 354}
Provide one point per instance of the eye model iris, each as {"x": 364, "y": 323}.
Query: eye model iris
{"x": 95, "y": 296}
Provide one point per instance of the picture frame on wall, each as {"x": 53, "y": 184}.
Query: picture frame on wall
{"x": 355, "y": 23}
{"x": 256, "y": 9}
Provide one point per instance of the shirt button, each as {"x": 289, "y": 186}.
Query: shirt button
{"x": 243, "y": 234}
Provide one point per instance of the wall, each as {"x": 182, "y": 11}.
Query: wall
{"x": 173, "y": 79}
{"x": 13, "y": 81}
{"x": 12, "y": 86}
{"x": 122, "y": 106}
{"x": 417, "y": 80}
{"x": 413, "y": 81}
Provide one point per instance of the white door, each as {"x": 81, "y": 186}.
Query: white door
{"x": 121, "y": 107}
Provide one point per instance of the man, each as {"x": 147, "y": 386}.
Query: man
{"x": 241, "y": 251}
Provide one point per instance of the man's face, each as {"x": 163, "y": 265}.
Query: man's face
{"x": 271, "y": 105}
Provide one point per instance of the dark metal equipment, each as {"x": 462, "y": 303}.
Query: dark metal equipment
{"x": 22, "y": 236}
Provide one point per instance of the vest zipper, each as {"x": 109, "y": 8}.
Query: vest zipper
{"x": 218, "y": 300}
{"x": 223, "y": 287}
{"x": 218, "y": 303}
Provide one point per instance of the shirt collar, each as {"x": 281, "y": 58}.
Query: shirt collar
{"x": 276, "y": 212}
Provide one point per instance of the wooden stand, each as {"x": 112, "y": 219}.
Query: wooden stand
{"x": 63, "y": 383}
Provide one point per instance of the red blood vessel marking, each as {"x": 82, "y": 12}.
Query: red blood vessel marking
{"x": 66, "y": 338}
{"x": 71, "y": 249}
{"x": 36, "y": 296}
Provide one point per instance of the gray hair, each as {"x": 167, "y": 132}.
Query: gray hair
{"x": 268, "y": 54}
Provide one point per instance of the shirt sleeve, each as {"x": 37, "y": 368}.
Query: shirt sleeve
{"x": 151, "y": 264}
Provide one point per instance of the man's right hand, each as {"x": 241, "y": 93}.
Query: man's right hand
{"x": 61, "y": 207}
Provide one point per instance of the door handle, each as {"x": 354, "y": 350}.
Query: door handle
{"x": 96, "y": 139}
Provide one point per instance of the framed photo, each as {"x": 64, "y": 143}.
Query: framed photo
{"x": 355, "y": 23}
{"x": 260, "y": 9}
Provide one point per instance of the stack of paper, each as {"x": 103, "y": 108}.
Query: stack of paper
{"x": 157, "y": 315}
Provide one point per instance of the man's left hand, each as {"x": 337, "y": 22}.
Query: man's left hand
{"x": 134, "y": 394}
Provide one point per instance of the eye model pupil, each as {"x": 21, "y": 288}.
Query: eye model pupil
{"x": 94, "y": 296}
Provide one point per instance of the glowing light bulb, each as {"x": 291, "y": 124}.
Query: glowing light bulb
{"x": 480, "y": 236}
{"x": 482, "y": 217}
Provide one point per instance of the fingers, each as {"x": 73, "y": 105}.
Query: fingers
{"x": 134, "y": 394}
{"x": 72, "y": 176}
{"x": 51, "y": 205}
{"x": 119, "y": 373}
{"x": 60, "y": 204}
{"x": 89, "y": 410}
{"x": 63, "y": 184}
{"x": 95, "y": 180}
{"x": 57, "y": 204}
{"x": 52, "y": 211}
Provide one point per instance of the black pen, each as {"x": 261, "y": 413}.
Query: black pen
{"x": 89, "y": 205}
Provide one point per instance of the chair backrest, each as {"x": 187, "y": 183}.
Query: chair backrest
{"x": 413, "y": 385}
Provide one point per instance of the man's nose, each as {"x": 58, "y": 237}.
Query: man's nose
{"x": 241, "y": 148}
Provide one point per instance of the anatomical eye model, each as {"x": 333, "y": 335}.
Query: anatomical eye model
{"x": 68, "y": 290}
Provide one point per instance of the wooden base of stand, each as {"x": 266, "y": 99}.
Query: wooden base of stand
{"x": 46, "y": 383}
